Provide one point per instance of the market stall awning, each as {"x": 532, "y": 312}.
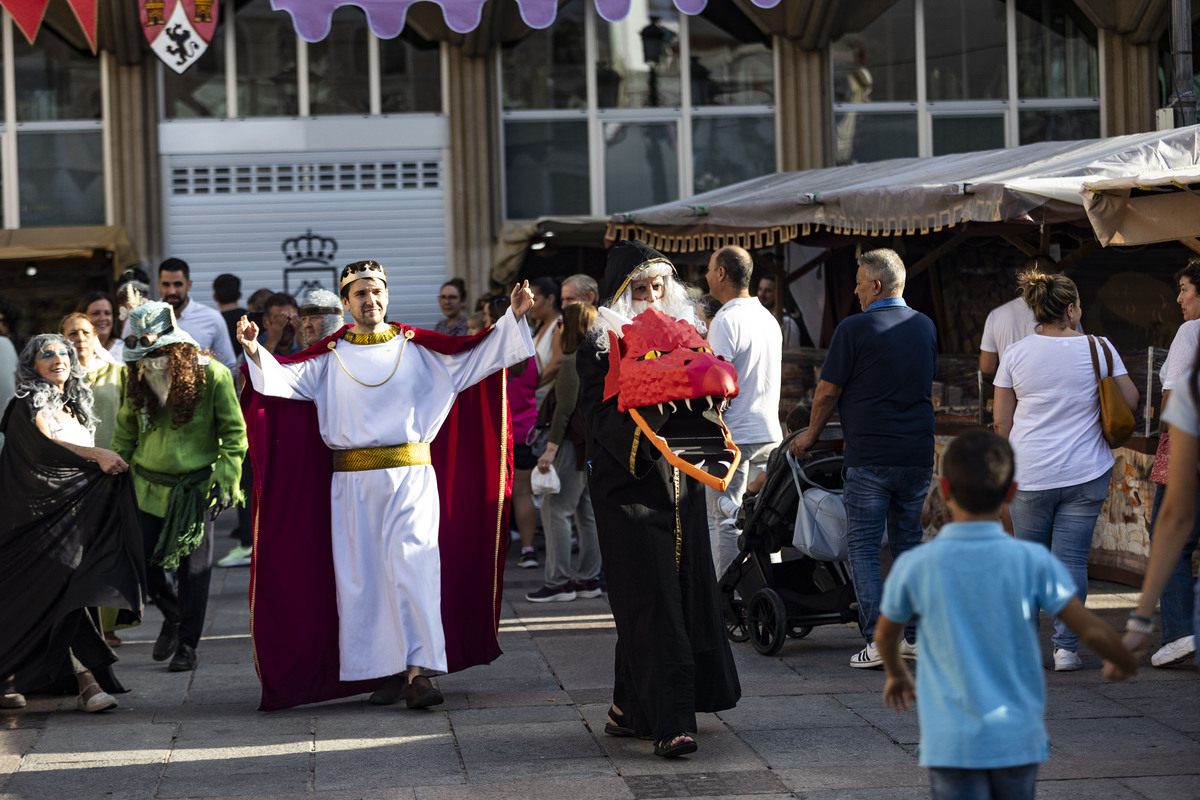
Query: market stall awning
{"x": 386, "y": 17}
{"x": 1159, "y": 206}
{"x": 1036, "y": 184}
{"x": 41, "y": 244}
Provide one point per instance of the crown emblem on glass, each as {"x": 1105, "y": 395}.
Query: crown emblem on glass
{"x": 310, "y": 248}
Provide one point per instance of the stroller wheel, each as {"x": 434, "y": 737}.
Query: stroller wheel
{"x": 800, "y": 632}
{"x": 736, "y": 627}
{"x": 768, "y": 622}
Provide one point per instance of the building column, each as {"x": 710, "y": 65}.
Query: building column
{"x": 136, "y": 185}
{"x": 1130, "y": 80}
{"x": 804, "y": 108}
{"x": 473, "y": 187}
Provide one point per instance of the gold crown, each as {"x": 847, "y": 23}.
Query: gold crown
{"x": 374, "y": 271}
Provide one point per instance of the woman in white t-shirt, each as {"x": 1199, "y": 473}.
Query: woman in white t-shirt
{"x": 1048, "y": 406}
{"x": 1178, "y": 640}
{"x": 1175, "y": 517}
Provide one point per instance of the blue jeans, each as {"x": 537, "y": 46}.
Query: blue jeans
{"x": 879, "y": 499}
{"x": 1004, "y": 783}
{"x": 1063, "y": 520}
{"x": 1178, "y": 598}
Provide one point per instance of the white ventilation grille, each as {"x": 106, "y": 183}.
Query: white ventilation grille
{"x": 321, "y": 177}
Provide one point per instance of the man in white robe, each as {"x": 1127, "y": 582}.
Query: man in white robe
{"x": 380, "y": 400}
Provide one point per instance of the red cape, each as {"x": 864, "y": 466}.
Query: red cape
{"x": 293, "y": 603}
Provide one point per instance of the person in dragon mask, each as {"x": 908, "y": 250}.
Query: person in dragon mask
{"x": 641, "y": 381}
{"x": 182, "y": 430}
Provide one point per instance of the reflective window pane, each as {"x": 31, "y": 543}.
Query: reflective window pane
{"x": 966, "y": 50}
{"x": 641, "y": 167}
{"x": 54, "y": 80}
{"x": 200, "y": 90}
{"x": 879, "y": 63}
{"x": 639, "y": 58}
{"x": 546, "y": 169}
{"x": 861, "y": 137}
{"x": 61, "y": 178}
{"x": 1059, "y": 125}
{"x": 547, "y": 68}
{"x": 726, "y": 150}
{"x": 1056, "y": 51}
{"x": 266, "y": 58}
{"x": 339, "y": 76}
{"x": 967, "y": 134}
{"x": 410, "y": 76}
{"x": 730, "y": 69}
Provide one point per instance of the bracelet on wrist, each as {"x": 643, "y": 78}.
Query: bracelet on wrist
{"x": 1139, "y": 625}
{"x": 1140, "y": 618}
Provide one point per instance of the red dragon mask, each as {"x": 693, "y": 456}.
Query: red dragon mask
{"x": 669, "y": 381}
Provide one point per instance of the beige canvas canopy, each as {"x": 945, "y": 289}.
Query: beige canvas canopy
{"x": 40, "y": 244}
{"x": 1030, "y": 186}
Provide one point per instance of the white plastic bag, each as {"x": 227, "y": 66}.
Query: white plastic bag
{"x": 545, "y": 482}
{"x": 820, "y": 531}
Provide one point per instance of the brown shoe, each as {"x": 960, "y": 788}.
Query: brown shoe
{"x": 421, "y": 693}
{"x": 389, "y": 692}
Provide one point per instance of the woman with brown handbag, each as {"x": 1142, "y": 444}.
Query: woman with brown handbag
{"x": 1048, "y": 405}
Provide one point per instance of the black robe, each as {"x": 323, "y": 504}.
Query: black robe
{"x": 69, "y": 542}
{"x": 672, "y": 657}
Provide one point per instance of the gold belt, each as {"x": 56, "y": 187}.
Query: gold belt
{"x": 397, "y": 455}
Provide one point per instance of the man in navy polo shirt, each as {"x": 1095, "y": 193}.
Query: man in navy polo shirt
{"x": 878, "y": 374}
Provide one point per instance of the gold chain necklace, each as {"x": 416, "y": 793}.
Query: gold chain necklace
{"x": 408, "y": 335}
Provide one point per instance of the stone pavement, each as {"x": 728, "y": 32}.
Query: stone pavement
{"x": 531, "y": 725}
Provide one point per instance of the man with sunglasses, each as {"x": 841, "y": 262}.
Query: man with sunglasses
{"x": 182, "y": 431}
{"x": 415, "y": 518}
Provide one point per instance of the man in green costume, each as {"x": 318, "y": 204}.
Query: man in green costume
{"x": 181, "y": 429}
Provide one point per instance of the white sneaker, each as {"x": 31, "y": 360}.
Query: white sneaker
{"x": 867, "y": 658}
{"x": 1175, "y": 652}
{"x": 1066, "y": 660}
{"x": 908, "y": 650}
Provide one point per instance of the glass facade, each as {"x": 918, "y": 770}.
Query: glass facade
{"x": 338, "y": 79}
{"x": 61, "y": 178}
{"x": 956, "y": 87}
{"x": 626, "y": 129}
{"x": 54, "y": 80}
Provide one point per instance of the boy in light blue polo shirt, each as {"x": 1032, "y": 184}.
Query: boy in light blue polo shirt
{"x": 976, "y": 593}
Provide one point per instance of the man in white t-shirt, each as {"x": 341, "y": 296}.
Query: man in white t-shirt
{"x": 1005, "y": 324}
{"x": 748, "y": 336}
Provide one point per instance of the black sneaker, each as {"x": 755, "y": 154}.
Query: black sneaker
{"x": 552, "y": 594}
{"x": 528, "y": 559}
{"x": 184, "y": 660}
{"x": 588, "y": 588}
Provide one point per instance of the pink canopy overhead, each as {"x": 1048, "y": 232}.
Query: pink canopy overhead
{"x": 386, "y": 17}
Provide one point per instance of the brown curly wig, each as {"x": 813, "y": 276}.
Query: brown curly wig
{"x": 187, "y": 383}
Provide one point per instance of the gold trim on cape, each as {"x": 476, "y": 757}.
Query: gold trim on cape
{"x": 371, "y": 338}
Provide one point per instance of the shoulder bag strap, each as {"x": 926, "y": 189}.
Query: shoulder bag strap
{"x": 1108, "y": 357}
{"x": 1096, "y": 358}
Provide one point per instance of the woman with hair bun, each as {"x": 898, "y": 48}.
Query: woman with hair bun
{"x": 1048, "y": 406}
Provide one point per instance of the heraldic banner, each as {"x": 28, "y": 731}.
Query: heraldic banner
{"x": 179, "y": 30}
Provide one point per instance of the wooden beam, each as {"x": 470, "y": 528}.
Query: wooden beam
{"x": 806, "y": 268}
{"x": 1088, "y": 247}
{"x": 936, "y": 253}
{"x": 1191, "y": 244}
{"x": 1022, "y": 245}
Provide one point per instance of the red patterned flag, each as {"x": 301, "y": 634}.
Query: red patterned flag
{"x": 27, "y": 14}
{"x": 179, "y": 30}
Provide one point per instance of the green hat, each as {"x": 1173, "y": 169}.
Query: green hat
{"x": 151, "y": 326}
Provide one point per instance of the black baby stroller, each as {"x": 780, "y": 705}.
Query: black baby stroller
{"x": 766, "y": 600}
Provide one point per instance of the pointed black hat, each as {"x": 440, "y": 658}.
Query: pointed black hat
{"x": 626, "y": 259}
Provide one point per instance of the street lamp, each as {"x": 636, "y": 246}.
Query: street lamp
{"x": 653, "y": 37}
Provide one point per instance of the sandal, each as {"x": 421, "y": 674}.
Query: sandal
{"x": 675, "y": 745}
{"x": 616, "y": 724}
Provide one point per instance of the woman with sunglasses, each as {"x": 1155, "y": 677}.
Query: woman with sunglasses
{"x": 70, "y": 542}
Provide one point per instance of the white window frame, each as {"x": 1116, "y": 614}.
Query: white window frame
{"x": 682, "y": 115}
{"x": 1010, "y": 108}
